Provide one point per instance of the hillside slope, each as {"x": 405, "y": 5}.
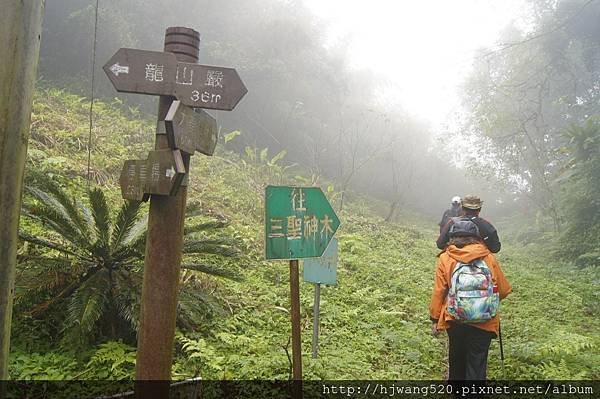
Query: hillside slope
{"x": 374, "y": 323}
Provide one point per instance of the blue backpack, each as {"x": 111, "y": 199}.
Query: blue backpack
{"x": 472, "y": 296}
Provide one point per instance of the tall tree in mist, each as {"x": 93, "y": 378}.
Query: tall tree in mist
{"x": 522, "y": 95}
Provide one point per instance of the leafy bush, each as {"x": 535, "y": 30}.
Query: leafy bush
{"x": 42, "y": 366}
{"x": 581, "y": 197}
{"x": 111, "y": 361}
{"x": 92, "y": 262}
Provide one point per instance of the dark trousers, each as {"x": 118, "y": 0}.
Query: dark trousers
{"x": 468, "y": 351}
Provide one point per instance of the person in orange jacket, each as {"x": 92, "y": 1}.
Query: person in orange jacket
{"x": 468, "y": 342}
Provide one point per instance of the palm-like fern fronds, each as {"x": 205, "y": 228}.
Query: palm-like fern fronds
{"x": 45, "y": 274}
{"x": 52, "y": 214}
{"x": 101, "y": 215}
{"x": 212, "y": 270}
{"x": 50, "y": 245}
{"x": 211, "y": 225}
{"x": 87, "y": 305}
{"x": 94, "y": 262}
{"x": 127, "y": 300}
{"x": 125, "y": 223}
{"x": 42, "y": 182}
{"x": 193, "y": 209}
{"x": 137, "y": 234}
{"x": 194, "y": 305}
{"x": 220, "y": 247}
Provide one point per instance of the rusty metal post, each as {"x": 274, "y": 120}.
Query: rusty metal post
{"x": 295, "y": 313}
{"x": 163, "y": 253}
{"x": 20, "y": 30}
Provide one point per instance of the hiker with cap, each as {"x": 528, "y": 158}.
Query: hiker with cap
{"x": 453, "y": 212}
{"x": 468, "y": 287}
{"x": 470, "y": 208}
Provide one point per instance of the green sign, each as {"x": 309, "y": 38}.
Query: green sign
{"x": 323, "y": 270}
{"x": 299, "y": 222}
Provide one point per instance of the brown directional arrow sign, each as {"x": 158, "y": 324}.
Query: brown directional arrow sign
{"x": 202, "y": 86}
{"x": 159, "y": 73}
{"x": 141, "y": 71}
{"x": 133, "y": 180}
{"x": 190, "y": 130}
{"x": 161, "y": 174}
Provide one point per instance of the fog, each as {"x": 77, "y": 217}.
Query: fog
{"x": 304, "y": 97}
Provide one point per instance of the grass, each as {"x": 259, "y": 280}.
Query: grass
{"x": 374, "y": 322}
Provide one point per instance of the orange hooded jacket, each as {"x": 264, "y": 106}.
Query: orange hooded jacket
{"x": 445, "y": 265}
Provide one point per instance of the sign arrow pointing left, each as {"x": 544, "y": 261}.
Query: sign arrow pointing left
{"x": 159, "y": 73}
{"x": 148, "y": 72}
{"x": 117, "y": 69}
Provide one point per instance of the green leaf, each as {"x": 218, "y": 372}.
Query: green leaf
{"x": 263, "y": 155}
{"x": 212, "y": 225}
{"x": 126, "y": 218}
{"x": 49, "y": 244}
{"x": 87, "y": 305}
{"x": 101, "y": 215}
{"x": 48, "y": 192}
{"x": 57, "y": 220}
{"x": 250, "y": 153}
{"x": 210, "y": 247}
{"x": 230, "y": 136}
{"x": 278, "y": 157}
{"x": 212, "y": 270}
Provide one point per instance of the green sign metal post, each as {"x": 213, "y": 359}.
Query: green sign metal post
{"x": 319, "y": 271}
{"x": 323, "y": 270}
{"x": 299, "y": 223}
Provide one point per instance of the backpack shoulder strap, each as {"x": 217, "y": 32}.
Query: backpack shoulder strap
{"x": 457, "y": 267}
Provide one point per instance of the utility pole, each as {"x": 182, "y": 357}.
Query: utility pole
{"x": 163, "y": 253}
{"x": 20, "y": 33}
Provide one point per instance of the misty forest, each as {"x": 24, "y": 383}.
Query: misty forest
{"x": 523, "y": 137}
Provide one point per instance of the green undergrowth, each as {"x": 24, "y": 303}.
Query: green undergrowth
{"x": 374, "y": 322}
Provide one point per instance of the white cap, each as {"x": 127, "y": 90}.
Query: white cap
{"x": 456, "y": 200}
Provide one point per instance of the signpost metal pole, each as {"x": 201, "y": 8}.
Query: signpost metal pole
{"x": 20, "y": 30}
{"x": 163, "y": 253}
{"x": 295, "y": 313}
{"x": 320, "y": 271}
{"x": 315, "y": 337}
{"x": 299, "y": 223}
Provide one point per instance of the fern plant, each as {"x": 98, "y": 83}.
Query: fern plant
{"x": 92, "y": 262}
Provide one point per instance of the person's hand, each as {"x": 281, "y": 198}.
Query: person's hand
{"x": 434, "y": 330}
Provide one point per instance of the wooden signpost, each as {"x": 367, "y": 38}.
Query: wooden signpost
{"x": 160, "y": 73}
{"x": 191, "y": 130}
{"x": 299, "y": 223}
{"x": 142, "y": 71}
{"x": 161, "y": 174}
{"x": 169, "y": 74}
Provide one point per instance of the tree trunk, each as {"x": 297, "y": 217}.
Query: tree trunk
{"x": 392, "y": 212}
{"x": 20, "y": 33}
